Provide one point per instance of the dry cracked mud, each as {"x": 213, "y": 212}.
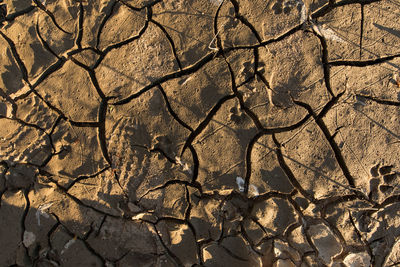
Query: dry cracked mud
{"x": 199, "y": 133}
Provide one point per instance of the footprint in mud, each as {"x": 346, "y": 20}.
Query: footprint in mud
{"x": 286, "y": 6}
{"x": 374, "y": 170}
{"x": 389, "y": 178}
{"x": 164, "y": 143}
{"x": 386, "y": 189}
{"x": 236, "y": 115}
{"x": 383, "y": 178}
{"x": 385, "y": 169}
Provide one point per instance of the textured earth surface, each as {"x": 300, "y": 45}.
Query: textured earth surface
{"x": 199, "y": 133}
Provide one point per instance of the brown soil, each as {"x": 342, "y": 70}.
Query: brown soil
{"x": 199, "y": 133}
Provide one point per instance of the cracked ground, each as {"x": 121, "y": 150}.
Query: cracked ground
{"x": 199, "y": 133}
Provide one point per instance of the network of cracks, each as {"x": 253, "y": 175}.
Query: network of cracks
{"x": 199, "y": 133}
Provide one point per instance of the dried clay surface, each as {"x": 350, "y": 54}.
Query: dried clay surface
{"x": 199, "y": 133}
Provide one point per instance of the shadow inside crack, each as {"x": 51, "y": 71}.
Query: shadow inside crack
{"x": 62, "y": 232}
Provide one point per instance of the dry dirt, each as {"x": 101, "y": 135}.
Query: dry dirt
{"x": 199, "y": 133}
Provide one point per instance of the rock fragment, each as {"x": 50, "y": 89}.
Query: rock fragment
{"x": 357, "y": 260}
{"x": 325, "y": 241}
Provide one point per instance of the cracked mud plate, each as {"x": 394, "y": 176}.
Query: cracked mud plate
{"x": 199, "y": 133}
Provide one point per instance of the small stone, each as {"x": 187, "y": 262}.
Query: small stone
{"x": 357, "y": 260}
{"x": 240, "y": 183}
{"x": 145, "y": 217}
{"x": 29, "y": 238}
{"x": 253, "y": 190}
{"x": 325, "y": 242}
